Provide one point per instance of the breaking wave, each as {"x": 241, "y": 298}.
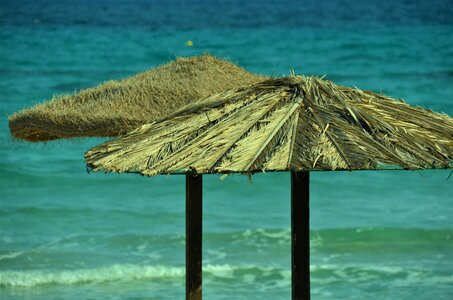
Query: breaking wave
{"x": 321, "y": 274}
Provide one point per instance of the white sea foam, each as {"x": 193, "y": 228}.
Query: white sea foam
{"x": 104, "y": 274}
{"x": 11, "y": 255}
{"x": 116, "y": 272}
{"x": 243, "y": 274}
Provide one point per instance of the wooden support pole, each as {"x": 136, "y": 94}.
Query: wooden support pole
{"x": 300, "y": 235}
{"x": 194, "y": 184}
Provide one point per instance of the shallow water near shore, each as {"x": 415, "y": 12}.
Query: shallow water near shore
{"x": 66, "y": 234}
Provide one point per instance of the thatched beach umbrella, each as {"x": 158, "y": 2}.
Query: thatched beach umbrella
{"x": 296, "y": 124}
{"x": 118, "y": 106}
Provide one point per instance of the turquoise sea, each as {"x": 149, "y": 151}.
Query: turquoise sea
{"x": 66, "y": 234}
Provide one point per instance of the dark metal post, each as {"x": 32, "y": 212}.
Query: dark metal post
{"x": 300, "y": 235}
{"x": 194, "y": 210}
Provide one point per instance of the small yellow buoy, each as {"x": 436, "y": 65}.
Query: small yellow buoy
{"x": 189, "y": 43}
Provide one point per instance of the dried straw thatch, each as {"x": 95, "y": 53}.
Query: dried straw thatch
{"x": 116, "y": 107}
{"x": 292, "y": 123}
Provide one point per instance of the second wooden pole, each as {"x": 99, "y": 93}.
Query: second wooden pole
{"x": 194, "y": 230}
{"x": 300, "y": 235}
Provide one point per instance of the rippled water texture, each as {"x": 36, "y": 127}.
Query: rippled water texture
{"x": 66, "y": 234}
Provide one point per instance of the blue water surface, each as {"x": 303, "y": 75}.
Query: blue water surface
{"x": 65, "y": 234}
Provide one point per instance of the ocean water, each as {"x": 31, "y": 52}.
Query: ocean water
{"x": 66, "y": 234}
